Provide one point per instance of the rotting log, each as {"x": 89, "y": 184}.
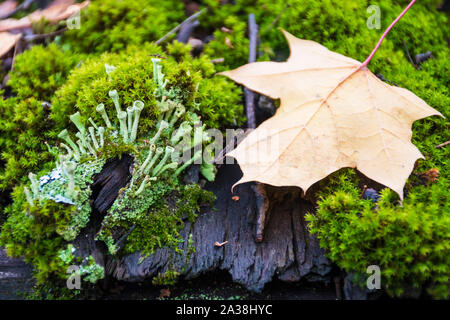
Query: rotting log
{"x": 288, "y": 252}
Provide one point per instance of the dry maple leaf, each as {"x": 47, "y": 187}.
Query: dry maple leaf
{"x": 334, "y": 113}
{"x": 57, "y": 11}
{"x": 7, "y": 41}
{"x": 7, "y": 7}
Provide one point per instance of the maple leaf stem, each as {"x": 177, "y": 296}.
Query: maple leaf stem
{"x": 365, "y": 63}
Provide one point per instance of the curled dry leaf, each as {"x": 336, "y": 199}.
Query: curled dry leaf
{"x": 7, "y": 42}
{"x": 431, "y": 176}
{"x": 220, "y": 244}
{"x": 334, "y": 113}
{"x": 57, "y": 11}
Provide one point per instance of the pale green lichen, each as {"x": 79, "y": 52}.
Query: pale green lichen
{"x": 69, "y": 183}
{"x": 159, "y": 157}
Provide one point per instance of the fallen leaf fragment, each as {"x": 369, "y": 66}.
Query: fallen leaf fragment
{"x": 217, "y": 244}
{"x": 334, "y": 113}
{"x": 228, "y": 43}
{"x": 164, "y": 293}
{"x": 225, "y": 29}
{"x": 7, "y": 7}
{"x": 218, "y": 60}
{"x": 57, "y": 11}
{"x": 7, "y": 42}
{"x": 431, "y": 175}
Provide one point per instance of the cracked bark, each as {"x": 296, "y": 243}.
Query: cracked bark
{"x": 287, "y": 252}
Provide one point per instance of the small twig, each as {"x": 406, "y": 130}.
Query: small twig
{"x": 409, "y": 55}
{"x": 178, "y": 27}
{"x": 23, "y": 6}
{"x": 229, "y": 147}
{"x": 263, "y": 210}
{"x": 442, "y": 144}
{"x": 35, "y": 37}
{"x": 119, "y": 243}
{"x": 363, "y": 191}
{"x": 250, "y": 95}
{"x": 380, "y": 76}
{"x": 186, "y": 31}
{"x": 18, "y": 48}
{"x": 218, "y": 60}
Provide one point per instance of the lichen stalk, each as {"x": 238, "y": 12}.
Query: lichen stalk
{"x": 138, "y": 106}
{"x": 168, "y": 152}
{"x": 101, "y": 109}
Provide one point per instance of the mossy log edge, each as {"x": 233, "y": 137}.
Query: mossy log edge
{"x": 288, "y": 252}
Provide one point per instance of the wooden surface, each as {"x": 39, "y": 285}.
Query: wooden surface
{"x": 288, "y": 252}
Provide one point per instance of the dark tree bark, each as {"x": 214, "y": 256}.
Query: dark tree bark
{"x": 288, "y": 252}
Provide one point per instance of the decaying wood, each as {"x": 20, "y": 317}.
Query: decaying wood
{"x": 107, "y": 184}
{"x": 263, "y": 202}
{"x": 288, "y": 252}
{"x": 15, "y": 277}
{"x": 106, "y": 187}
{"x": 263, "y": 212}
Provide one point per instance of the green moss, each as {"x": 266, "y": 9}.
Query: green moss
{"x": 232, "y": 45}
{"x": 39, "y": 231}
{"x": 410, "y": 244}
{"x": 32, "y": 233}
{"x": 92, "y": 272}
{"x": 112, "y": 25}
{"x": 38, "y": 72}
{"x": 162, "y": 224}
{"x": 23, "y": 129}
{"x": 168, "y": 278}
{"x": 217, "y": 100}
{"x": 24, "y": 123}
{"x": 154, "y": 202}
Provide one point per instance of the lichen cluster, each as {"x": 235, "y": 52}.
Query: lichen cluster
{"x": 160, "y": 155}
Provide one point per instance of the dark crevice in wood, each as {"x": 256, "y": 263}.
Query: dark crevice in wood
{"x": 114, "y": 176}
